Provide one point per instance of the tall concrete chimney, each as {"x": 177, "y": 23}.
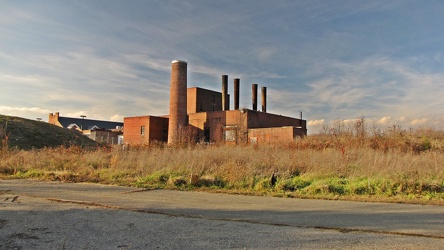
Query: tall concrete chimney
{"x": 178, "y": 101}
{"x": 254, "y": 95}
{"x": 264, "y": 99}
{"x": 225, "y": 103}
{"x": 236, "y": 93}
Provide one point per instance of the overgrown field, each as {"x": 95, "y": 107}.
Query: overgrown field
{"x": 395, "y": 166}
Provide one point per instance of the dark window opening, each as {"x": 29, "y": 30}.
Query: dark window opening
{"x": 207, "y": 134}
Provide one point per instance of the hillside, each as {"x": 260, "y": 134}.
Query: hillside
{"x": 29, "y": 134}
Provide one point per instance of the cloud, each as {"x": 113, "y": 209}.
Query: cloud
{"x": 386, "y": 120}
{"x": 375, "y": 86}
{"x": 331, "y": 61}
{"x": 82, "y": 80}
{"x": 7, "y": 109}
{"x": 420, "y": 121}
{"x": 265, "y": 53}
{"x": 314, "y": 126}
{"x": 316, "y": 122}
{"x": 29, "y": 112}
{"x": 117, "y": 118}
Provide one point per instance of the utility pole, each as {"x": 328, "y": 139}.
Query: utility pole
{"x": 83, "y": 117}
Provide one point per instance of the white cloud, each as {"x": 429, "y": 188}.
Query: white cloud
{"x": 420, "y": 121}
{"x": 117, "y": 118}
{"x": 107, "y": 64}
{"x": 10, "y": 110}
{"x": 374, "y": 87}
{"x": 27, "y": 112}
{"x": 386, "y": 120}
{"x": 316, "y": 122}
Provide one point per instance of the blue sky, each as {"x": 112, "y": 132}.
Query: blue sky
{"x": 383, "y": 60}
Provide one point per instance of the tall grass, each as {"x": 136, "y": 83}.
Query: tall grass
{"x": 407, "y": 165}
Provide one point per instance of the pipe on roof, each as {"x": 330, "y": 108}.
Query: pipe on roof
{"x": 225, "y": 103}
{"x": 254, "y": 96}
{"x": 264, "y": 99}
{"x": 236, "y": 93}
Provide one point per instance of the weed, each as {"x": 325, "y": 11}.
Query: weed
{"x": 389, "y": 164}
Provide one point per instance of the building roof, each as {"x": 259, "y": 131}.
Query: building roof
{"x": 87, "y": 123}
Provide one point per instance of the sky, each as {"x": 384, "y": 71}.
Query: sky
{"x": 332, "y": 60}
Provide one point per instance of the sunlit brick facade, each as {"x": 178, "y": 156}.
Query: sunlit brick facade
{"x": 207, "y": 121}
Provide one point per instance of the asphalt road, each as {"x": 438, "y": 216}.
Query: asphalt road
{"x": 56, "y": 215}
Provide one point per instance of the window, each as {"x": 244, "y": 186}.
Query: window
{"x": 142, "y": 130}
{"x": 230, "y": 133}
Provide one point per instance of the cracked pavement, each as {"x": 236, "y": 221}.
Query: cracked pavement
{"x": 57, "y": 215}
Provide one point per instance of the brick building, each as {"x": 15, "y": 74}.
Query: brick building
{"x": 143, "y": 130}
{"x": 207, "y": 117}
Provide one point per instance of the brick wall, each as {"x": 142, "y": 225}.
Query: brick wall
{"x": 257, "y": 119}
{"x": 156, "y": 129}
{"x": 239, "y": 124}
{"x": 212, "y": 124}
{"x": 132, "y": 130}
{"x": 54, "y": 119}
{"x": 272, "y": 135}
{"x": 203, "y": 100}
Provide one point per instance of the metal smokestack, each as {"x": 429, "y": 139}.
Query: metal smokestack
{"x": 236, "y": 93}
{"x": 254, "y": 95}
{"x": 264, "y": 99}
{"x": 178, "y": 101}
{"x": 225, "y": 103}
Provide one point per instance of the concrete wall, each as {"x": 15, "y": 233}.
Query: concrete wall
{"x": 107, "y": 137}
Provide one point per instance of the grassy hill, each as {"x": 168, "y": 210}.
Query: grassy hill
{"x": 29, "y": 134}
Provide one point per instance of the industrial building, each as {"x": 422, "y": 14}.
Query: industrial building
{"x": 100, "y": 131}
{"x": 202, "y": 115}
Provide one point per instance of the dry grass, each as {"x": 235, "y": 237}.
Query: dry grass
{"x": 406, "y": 167}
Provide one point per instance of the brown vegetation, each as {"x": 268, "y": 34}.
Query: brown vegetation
{"x": 394, "y": 165}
